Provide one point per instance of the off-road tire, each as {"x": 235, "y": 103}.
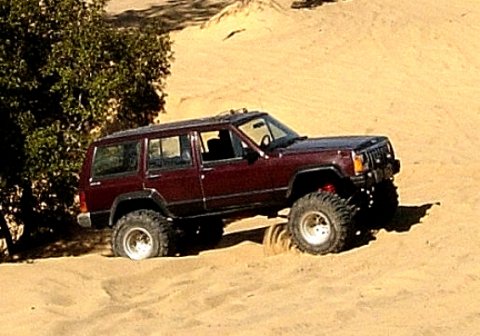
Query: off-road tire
{"x": 210, "y": 232}
{"x": 205, "y": 232}
{"x": 385, "y": 203}
{"x": 321, "y": 223}
{"x": 143, "y": 234}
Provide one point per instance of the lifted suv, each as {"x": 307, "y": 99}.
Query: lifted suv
{"x": 159, "y": 183}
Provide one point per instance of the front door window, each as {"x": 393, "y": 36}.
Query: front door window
{"x": 220, "y": 146}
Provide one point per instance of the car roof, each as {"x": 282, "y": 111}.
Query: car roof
{"x": 224, "y": 118}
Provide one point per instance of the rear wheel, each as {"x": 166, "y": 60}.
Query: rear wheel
{"x": 320, "y": 223}
{"x": 142, "y": 234}
{"x": 205, "y": 232}
{"x": 210, "y": 232}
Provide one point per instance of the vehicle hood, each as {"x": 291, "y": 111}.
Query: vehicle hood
{"x": 357, "y": 143}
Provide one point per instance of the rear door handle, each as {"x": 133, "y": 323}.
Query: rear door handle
{"x": 94, "y": 184}
{"x": 207, "y": 169}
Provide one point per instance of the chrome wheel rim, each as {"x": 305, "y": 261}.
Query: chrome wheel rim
{"x": 315, "y": 227}
{"x": 138, "y": 243}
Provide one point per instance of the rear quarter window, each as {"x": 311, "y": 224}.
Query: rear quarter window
{"x": 116, "y": 159}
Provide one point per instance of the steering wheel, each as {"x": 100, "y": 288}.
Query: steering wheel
{"x": 266, "y": 140}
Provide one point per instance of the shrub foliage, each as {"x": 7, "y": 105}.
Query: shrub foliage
{"x": 67, "y": 76}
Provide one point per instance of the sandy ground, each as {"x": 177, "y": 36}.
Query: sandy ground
{"x": 408, "y": 69}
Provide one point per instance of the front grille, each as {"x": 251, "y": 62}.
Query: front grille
{"x": 378, "y": 156}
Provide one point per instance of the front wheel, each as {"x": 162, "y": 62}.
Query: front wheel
{"x": 142, "y": 234}
{"x": 321, "y": 223}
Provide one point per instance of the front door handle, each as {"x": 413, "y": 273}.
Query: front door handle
{"x": 94, "y": 184}
{"x": 207, "y": 169}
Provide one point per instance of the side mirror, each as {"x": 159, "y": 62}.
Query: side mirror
{"x": 251, "y": 156}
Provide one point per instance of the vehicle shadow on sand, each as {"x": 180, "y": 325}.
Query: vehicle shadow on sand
{"x": 405, "y": 218}
{"x": 172, "y": 14}
{"x": 83, "y": 242}
{"x": 76, "y": 243}
{"x": 309, "y": 4}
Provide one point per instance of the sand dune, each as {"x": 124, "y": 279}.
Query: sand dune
{"x": 408, "y": 69}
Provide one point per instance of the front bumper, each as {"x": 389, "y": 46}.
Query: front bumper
{"x": 84, "y": 220}
{"x": 378, "y": 175}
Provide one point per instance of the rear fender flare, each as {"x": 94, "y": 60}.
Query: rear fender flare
{"x": 146, "y": 194}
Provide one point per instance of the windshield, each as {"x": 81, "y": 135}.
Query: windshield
{"x": 268, "y": 133}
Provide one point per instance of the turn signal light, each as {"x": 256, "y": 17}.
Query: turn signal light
{"x": 358, "y": 163}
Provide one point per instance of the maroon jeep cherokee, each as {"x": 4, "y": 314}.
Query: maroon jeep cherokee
{"x": 159, "y": 183}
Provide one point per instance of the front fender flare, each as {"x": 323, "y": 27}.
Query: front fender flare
{"x": 319, "y": 169}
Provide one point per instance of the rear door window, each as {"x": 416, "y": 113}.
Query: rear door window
{"x": 169, "y": 152}
{"x": 118, "y": 159}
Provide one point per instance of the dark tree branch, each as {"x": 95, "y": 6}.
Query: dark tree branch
{"x": 5, "y": 233}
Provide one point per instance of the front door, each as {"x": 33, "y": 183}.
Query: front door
{"x": 229, "y": 179}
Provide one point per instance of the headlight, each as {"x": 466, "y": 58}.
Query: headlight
{"x": 390, "y": 150}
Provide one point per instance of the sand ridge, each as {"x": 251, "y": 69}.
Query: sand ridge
{"x": 407, "y": 69}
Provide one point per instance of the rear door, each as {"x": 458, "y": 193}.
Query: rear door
{"x": 171, "y": 170}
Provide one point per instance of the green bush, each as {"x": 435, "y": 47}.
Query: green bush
{"x": 66, "y": 76}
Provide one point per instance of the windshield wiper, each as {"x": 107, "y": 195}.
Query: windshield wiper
{"x": 291, "y": 141}
{"x": 287, "y": 142}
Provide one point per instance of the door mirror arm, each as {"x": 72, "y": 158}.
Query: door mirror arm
{"x": 251, "y": 155}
